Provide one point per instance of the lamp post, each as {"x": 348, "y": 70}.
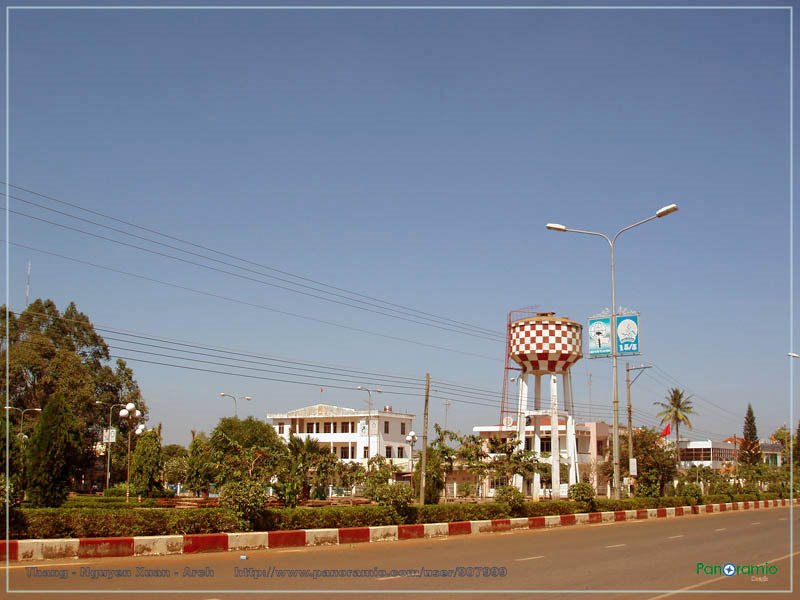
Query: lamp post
{"x": 131, "y": 413}
{"x": 108, "y": 443}
{"x": 411, "y": 438}
{"x": 235, "y": 408}
{"x": 369, "y": 416}
{"x": 22, "y": 411}
{"x": 662, "y": 212}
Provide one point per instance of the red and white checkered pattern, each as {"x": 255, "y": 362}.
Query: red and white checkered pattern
{"x": 545, "y": 344}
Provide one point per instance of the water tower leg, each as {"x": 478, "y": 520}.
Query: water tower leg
{"x": 572, "y": 450}
{"x": 537, "y": 435}
{"x": 555, "y": 456}
{"x": 568, "y": 405}
{"x": 522, "y": 409}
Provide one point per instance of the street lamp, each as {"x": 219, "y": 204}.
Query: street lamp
{"x": 411, "y": 438}
{"x": 22, "y": 411}
{"x": 369, "y": 416}
{"x": 108, "y": 442}
{"x": 130, "y": 412}
{"x": 662, "y": 212}
{"x": 794, "y": 354}
{"x": 235, "y": 408}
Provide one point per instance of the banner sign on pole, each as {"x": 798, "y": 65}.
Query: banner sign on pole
{"x": 110, "y": 435}
{"x": 627, "y": 335}
{"x": 599, "y": 337}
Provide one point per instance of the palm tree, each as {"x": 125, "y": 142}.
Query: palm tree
{"x": 676, "y": 410}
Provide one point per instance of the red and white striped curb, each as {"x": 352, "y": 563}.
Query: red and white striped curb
{"x": 17, "y": 550}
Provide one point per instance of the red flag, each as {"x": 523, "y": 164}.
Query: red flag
{"x": 321, "y": 390}
{"x": 666, "y": 431}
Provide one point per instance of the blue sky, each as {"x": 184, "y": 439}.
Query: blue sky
{"x": 416, "y": 157}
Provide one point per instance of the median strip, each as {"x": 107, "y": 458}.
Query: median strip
{"x": 25, "y": 550}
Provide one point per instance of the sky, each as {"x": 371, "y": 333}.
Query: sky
{"x": 413, "y": 157}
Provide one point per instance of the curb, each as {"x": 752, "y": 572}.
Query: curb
{"x": 21, "y": 550}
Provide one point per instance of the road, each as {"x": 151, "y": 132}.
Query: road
{"x": 655, "y": 556}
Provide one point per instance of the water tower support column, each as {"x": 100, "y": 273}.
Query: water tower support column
{"x": 537, "y": 433}
{"x": 555, "y": 451}
{"x": 522, "y": 408}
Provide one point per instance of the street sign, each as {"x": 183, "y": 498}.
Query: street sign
{"x": 110, "y": 435}
{"x": 599, "y": 337}
{"x": 627, "y": 335}
{"x": 632, "y": 467}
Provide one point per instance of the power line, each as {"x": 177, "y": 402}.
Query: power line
{"x": 253, "y": 279}
{"x": 246, "y": 303}
{"x": 221, "y": 253}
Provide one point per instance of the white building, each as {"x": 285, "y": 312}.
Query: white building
{"x": 353, "y": 435}
{"x": 705, "y": 453}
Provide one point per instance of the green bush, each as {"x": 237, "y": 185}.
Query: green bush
{"x": 88, "y": 522}
{"x": 511, "y": 496}
{"x": 117, "y": 489}
{"x": 245, "y": 498}
{"x": 744, "y": 497}
{"x": 583, "y": 493}
{"x": 327, "y": 517}
{"x": 692, "y": 490}
{"x": 717, "y": 499}
{"x": 397, "y": 496}
{"x": 606, "y": 504}
{"x": 466, "y": 489}
{"x": 447, "y": 513}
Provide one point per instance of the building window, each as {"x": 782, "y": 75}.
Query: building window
{"x": 402, "y": 428}
{"x": 528, "y": 443}
{"x": 280, "y": 428}
{"x": 388, "y": 452}
{"x": 326, "y": 427}
{"x": 352, "y": 426}
{"x": 401, "y": 452}
{"x": 366, "y": 452}
{"x": 345, "y": 451}
{"x": 309, "y": 428}
{"x": 345, "y": 427}
{"x": 546, "y": 445}
{"x": 386, "y": 427}
{"x": 333, "y": 425}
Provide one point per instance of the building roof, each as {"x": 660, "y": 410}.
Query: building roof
{"x": 328, "y": 410}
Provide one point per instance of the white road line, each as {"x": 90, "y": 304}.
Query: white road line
{"x": 674, "y": 537}
{"x": 288, "y": 551}
{"x": 393, "y": 577}
{"x": 616, "y": 546}
{"x": 707, "y": 581}
{"x": 721, "y": 529}
{"x": 781, "y": 519}
{"x": 756, "y": 523}
{"x": 529, "y": 558}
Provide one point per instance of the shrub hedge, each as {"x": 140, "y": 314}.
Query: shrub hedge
{"x": 104, "y": 521}
{"x": 325, "y": 517}
{"x": 91, "y": 522}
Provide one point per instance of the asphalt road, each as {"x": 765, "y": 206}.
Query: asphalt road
{"x": 654, "y": 557}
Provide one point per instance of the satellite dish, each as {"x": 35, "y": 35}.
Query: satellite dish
{"x": 508, "y": 421}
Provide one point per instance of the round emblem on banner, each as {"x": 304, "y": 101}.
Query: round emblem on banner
{"x": 627, "y": 331}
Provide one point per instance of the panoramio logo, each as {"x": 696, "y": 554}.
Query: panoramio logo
{"x": 731, "y": 569}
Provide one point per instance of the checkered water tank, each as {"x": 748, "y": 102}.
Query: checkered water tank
{"x": 545, "y": 343}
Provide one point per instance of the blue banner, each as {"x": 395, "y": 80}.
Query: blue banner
{"x": 599, "y": 337}
{"x": 627, "y": 335}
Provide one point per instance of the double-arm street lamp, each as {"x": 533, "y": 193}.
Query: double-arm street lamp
{"x": 108, "y": 441}
{"x": 369, "y": 416}
{"x": 22, "y": 411}
{"x": 411, "y": 438}
{"x": 131, "y": 413}
{"x": 235, "y": 408}
{"x": 662, "y": 212}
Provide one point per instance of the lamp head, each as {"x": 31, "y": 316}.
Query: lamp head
{"x": 247, "y": 398}
{"x": 221, "y": 394}
{"x": 36, "y": 409}
{"x": 666, "y": 210}
{"x": 130, "y": 406}
{"x": 557, "y": 227}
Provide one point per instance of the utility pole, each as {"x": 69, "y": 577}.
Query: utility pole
{"x": 447, "y": 404}
{"x": 423, "y": 464}
{"x": 628, "y": 384}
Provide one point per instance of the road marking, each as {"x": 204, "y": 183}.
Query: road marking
{"x": 707, "y": 581}
{"x": 529, "y": 558}
{"x": 616, "y": 546}
{"x": 756, "y": 523}
{"x": 674, "y": 537}
{"x": 781, "y": 519}
{"x": 288, "y": 551}
{"x": 393, "y": 577}
{"x": 721, "y": 529}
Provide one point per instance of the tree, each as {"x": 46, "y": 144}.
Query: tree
{"x": 147, "y": 463}
{"x": 16, "y": 462}
{"x": 472, "y": 454}
{"x": 53, "y": 453}
{"x": 750, "y": 450}
{"x": 783, "y": 436}
{"x": 244, "y": 449}
{"x": 655, "y": 464}
{"x": 676, "y": 410}
{"x": 796, "y": 447}
{"x": 200, "y": 472}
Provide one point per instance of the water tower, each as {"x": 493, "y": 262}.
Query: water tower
{"x": 543, "y": 345}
